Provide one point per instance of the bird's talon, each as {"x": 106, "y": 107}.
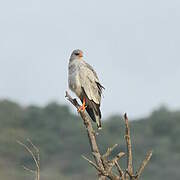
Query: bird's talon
{"x": 84, "y": 108}
{"x": 81, "y": 108}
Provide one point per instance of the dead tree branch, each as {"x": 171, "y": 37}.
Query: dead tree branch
{"x": 91, "y": 135}
{"x": 35, "y": 156}
{"x": 129, "y": 147}
{"x": 129, "y": 171}
{"x": 121, "y": 173}
{"x": 108, "y": 152}
{"x": 102, "y": 164}
{"x": 144, "y": 163}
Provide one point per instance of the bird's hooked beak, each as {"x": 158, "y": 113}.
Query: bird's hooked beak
{"x": 80, "y": 54}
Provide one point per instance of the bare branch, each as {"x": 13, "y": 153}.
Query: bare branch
{"x": 30, "y": 170}
{"x": 102, "y": 164}
{"x": 132, "y": 176}
{"x": 121, "y": 173}
{"x": 94, "y": 165}
{"x": 116, "y": 158}
{"x": 36, "y": 149}
{"x": 110, "y": 175}
{"x": 90, "y": 132}
{"x": 129, "y": 147}
{"x": 73, "y": 101}
{"x": 144, "y": 163}
{"x": 108, "y": 152}
{"x": 36, "y": 160}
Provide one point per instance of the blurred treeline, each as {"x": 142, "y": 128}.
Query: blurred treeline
{"x": 61, "y": 138}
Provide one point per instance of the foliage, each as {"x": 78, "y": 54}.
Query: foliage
{"x": 61, "y": 138}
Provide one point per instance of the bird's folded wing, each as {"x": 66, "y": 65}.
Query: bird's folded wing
{"x": 89, "y": 80}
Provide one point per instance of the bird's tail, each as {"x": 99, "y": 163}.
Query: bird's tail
{"x": 92, "y": 109}
{"x": 95, "y": 115}
{"x": 98, "y": 122}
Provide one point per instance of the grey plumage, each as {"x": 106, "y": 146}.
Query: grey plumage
{"x": 84, "y": 82}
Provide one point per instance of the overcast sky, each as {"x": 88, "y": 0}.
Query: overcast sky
{"x": 134, "y": 45}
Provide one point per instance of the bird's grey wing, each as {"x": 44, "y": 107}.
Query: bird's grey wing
{"x": 91, "y": 68}
{"x": 90, "y": 83}
{"x": 95, "y": 74}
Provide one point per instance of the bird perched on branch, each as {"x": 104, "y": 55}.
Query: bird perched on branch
{"x": 83, "y": 81}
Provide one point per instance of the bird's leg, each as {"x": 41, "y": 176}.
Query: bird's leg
{"x": 83, "y": 107}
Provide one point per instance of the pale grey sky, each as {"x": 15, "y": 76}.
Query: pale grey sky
{"x": 133, "y": 46}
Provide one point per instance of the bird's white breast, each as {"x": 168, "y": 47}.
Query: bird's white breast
{"x": 73, "y": 77}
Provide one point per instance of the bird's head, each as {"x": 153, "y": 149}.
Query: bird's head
{"x": 76, "y": 54}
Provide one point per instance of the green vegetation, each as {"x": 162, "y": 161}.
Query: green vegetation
{"x": 61, "y": 138}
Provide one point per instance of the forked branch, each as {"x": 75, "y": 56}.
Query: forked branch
{"x": 102, "y": 163}
{"x": 35, "y": 156}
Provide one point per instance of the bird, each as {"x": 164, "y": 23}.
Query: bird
{"x": 84, "y": 82}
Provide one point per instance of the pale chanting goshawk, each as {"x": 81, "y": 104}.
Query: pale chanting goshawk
{"x": 83, "y": 81}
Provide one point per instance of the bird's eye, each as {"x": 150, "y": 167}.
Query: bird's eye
{"x": 77, "y": 54}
